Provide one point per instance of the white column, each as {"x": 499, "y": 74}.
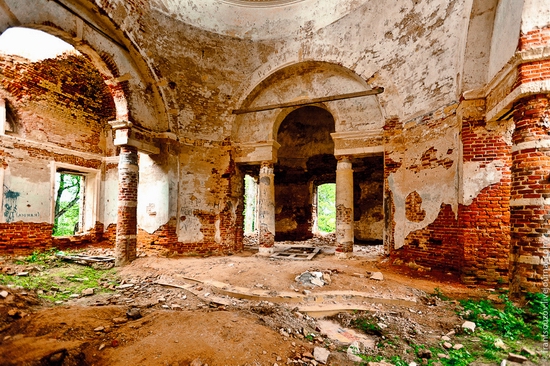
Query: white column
{"x": 2, "y": 116}
{"x": 266, "y": 209}
{"x": 344, "y": 208}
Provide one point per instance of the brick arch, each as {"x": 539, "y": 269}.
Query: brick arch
{"x": 86, "y": 25}
{"x": 107, "y": 69}
{"x": 305, "y": 80}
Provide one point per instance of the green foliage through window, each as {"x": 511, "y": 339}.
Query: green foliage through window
{"x": 68, "y": 204}
{"x": 326, "y": 207}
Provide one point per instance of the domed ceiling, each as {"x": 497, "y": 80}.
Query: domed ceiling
{"x": 258, "y": 19}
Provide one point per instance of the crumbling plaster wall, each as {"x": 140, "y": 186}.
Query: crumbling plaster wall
{"x": 427, "y": 155}
{"x": 203, "y": 75}
{"x": 207, "y": 74}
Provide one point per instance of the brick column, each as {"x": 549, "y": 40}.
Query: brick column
{"x": 126, "y": 232}
{"x": 344, "y": 208}
{"x": 530, "y": 192}
{"x": 266, "y": 208}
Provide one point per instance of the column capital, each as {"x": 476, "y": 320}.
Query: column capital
{"x": 266, "y": 166}
{"x": 126, "y": 134}
{"x": 120, "y": 124}
{"x": 343, "y": 158}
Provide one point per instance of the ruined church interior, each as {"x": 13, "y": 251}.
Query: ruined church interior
{"x": 429, "y": 119}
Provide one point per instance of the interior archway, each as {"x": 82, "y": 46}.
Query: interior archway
{"x": 305, "y": 160}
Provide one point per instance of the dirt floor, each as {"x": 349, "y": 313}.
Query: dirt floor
{"x": 243, "y": 309}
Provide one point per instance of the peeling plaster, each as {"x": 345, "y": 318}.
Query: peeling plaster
{"x": 435, "y": 185}
{"x": 477, "y": 176}
{"x": 28, "y": 198}
{"x": 189, "y": 230}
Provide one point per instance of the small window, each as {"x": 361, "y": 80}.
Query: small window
{"x": 75, "y": 193}
{"x": 69, "y": 203}
{"x": 250, "y": 202}
{"x": 326, "y": 208}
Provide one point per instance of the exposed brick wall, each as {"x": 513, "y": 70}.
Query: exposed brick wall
{"x": 64, "y": 101}
{"x": 413, "y": 207}
{"x": 537, "y": 70}
{"x": 485, "y": 223}
{"x": 533, "y": 71}
{"x": 93, "y": 237}
{"x": 536, "y": 38}
{"x": 530, "y": 191}
{"x": 24, "y": 238}
{"x": 161, "y": 242}
{"x": 435, "y": 246}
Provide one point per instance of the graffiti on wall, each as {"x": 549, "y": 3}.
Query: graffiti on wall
{"x": 10, "y": 204}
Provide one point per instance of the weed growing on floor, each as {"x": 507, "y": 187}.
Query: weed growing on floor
{"x": 439, "y": 294}
{"x": 501, "y": 329}
{"x": 60, "y": 280}
{"x": 367, "y": 326}
{"x": 44, "y": 258}
{"x": 510, "y": 322}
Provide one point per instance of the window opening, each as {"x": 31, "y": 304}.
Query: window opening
{"x": 250, "y": 204}
{"x": 69, "y": 203}
{"x": 326, "y": 208}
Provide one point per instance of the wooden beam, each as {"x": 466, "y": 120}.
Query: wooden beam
{"x": 310, "y": 101}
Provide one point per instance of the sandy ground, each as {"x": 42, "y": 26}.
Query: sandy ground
{"x": 243, "y": 309}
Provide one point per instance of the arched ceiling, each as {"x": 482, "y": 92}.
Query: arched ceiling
{"x": 258, "y": 19}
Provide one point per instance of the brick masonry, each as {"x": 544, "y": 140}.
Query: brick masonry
{"x": 530, "y": 192}
{"x": 484, "y": 224}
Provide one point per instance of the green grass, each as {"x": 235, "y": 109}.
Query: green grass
{"x": 44, "y": 258}
{"x": 508, "y": 324}
{"x": 510, "y": 321}
{"x": 367, "y": 326}
{"x": 59, "y": 280}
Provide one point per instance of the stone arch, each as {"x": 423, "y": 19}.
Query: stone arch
{"x": 94, "y": 33}
{"x": 303, "y": 81}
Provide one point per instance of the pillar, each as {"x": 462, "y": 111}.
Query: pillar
{"x": 344, "y": 208}
{"x": 2, "y": 116}
{"x": 266, "y": 208}
{"x": 126, "y": 232}
{"x": 530, "y": 194}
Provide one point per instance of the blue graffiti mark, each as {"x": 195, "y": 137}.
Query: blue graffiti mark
{"x": 10, "y": 204}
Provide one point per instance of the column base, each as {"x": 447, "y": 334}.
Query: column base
{"x": 266, "y": 251}
{"x": 343, "y": 255}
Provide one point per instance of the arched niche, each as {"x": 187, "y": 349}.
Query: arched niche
{"x": 358, "y": 121}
